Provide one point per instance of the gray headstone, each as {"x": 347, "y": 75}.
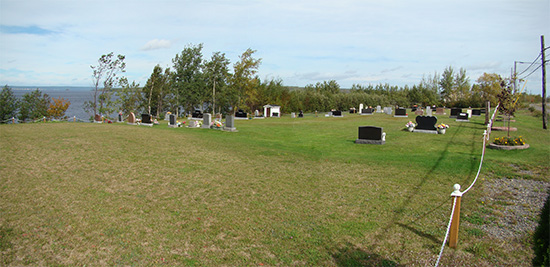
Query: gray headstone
{"x": 230, "y": 123}
{"x": 293, "y": 115}
{"x": 388, "y": 110}
{"x": 378, "y": 109}
{"x": 206, "y": 120}
{"x": 439, "y": 111}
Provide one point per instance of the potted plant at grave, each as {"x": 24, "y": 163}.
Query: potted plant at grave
{"x": 441, "y": 128}
{"x": 410, "y": 126}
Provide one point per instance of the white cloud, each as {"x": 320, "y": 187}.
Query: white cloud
{"x": 156, "y": 44}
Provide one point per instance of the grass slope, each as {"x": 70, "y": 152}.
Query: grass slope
{"x": 278, "y": 192}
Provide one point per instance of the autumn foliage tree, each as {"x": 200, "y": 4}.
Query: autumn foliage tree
{"x": 58, "y": 107}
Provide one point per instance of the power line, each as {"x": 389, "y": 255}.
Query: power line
{"x": 529, "y": 65}
{"x": 531, "y": 72}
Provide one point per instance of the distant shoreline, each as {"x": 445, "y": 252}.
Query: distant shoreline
{"x": 51, "y": 88}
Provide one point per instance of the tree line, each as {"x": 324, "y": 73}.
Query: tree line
{"x": 33, "y": 105}
{"x": 214, "y": 85}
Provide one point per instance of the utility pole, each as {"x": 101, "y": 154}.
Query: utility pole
{"x": 543, "y": 83}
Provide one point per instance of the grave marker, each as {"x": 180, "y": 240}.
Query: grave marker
{"x": 172, "y": 121}
{"x": 462, "y": 117}
{"x": 229, "y": 124}
{"x": 131, "y": 118}
{"x": 439, "y": 111}
{"x": 206, "y": 120}
{"x": 426, "y": 124}
{"x": 455, "y": 112}
{"x": 371, "y": 135}
{"x": 400, "y": 112}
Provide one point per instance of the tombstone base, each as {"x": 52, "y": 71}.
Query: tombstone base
{"x": 173, "y": 126}
{"x": 130, "y": 123}
{"x": 366, "y": 113}
{"x": 259, "y": 117}
{"x": 401, "y": 116}
{"x": 230, "y": 129}
{"x": 338, "y": 116}
{"x": 147, "y": 124}
{"x": 98, "y": 122}
{"x": 241, "y": 118}
{"x": 425, "y": 131}
{"x": 462, "y": 120}
{"x": 372, "y": 142}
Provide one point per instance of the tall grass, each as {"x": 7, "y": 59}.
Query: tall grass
{"x": 278, "y": 192}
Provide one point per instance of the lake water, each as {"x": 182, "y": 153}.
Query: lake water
{"x": 76, "y": 95}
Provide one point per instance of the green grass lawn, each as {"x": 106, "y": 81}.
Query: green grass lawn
{"x": 280, "y": 191}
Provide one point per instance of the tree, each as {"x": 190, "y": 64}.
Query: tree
{"x": 216, "y": 73}
{"x": 243, "y": 89}
{"x": 58, "y": 107}
{"x": 446, "y": 84}
{"x": 455, "y": 87}
{"x": 105, "y": 73}
{"x": 8, "y": 104}
{"x": 508, "y": 101}
{"x": 128, "y": 96}
{"x": 187, "y": 78}
{"x": 34, "y": 105}
{"x": 155, "y": 91}
{"x": 489, "y": 87}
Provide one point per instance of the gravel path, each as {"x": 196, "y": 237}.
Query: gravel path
{"x": 515, "y": 206}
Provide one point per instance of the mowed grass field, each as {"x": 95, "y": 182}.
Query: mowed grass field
{"x": 279, "y": 192}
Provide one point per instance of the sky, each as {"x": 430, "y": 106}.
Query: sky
{"x": 54, "y": 42}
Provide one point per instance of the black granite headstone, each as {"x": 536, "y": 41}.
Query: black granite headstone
{"x": 462, "y": 116}
{"x": 337, "y": 113}
{"x": 196, "y": 114}
{"x": 426, "y": 123}
{"x": 400, "y": 112}
{"x": 172, "y": 119}
{"x": 371, "y": 135}
{"x": 455, "y": 112}
{"x": 476, "y": 112}
{"x": 301, "y": 114}
{"x": 120, "y": 117}
{"x": 146, "y": 118}
{"x": 241, "y": 114}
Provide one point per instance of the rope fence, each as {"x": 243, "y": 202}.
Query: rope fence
{"x": 455, "y": 213}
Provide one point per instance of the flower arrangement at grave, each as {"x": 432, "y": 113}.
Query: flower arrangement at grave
{"x": 509, "y": 141}
{"x": 442, "y": 126}
{"x": 216, "y": 124}
{"x": 410, "y": 126}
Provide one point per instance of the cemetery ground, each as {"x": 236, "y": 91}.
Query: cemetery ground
{"x": 280, "y": 192}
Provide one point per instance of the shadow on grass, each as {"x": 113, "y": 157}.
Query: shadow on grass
{"x": 417, "y": 192}
{"x": 351, "y": 256}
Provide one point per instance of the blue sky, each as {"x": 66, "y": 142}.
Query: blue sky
{"x": 53, "y": 43}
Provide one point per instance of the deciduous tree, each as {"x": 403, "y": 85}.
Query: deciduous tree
{"x": 105, "y": 74}
{"x": 58, "y": 107}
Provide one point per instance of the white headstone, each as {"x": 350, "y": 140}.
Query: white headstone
{"x": 293, "y": 115}
{"x": 429, "y": 111}
{"x": 360, "y": 107}
{"x": 378, "y": 109}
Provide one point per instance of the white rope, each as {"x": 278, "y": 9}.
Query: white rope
{"x": 446, "y": 234}
{"x": 486, "y": 135}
